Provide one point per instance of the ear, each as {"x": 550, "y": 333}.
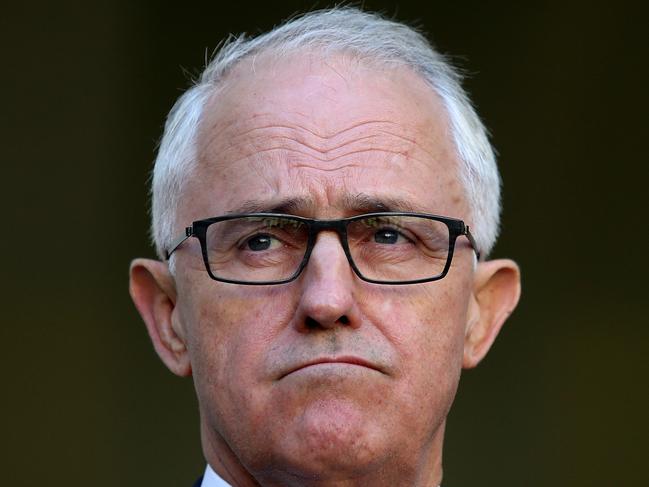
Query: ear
{"x": 496, "y": 290}
{"x": 153, "y": 291}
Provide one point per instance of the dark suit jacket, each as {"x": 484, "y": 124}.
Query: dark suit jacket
{"x": 198, "y": 482}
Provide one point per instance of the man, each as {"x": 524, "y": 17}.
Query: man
{"x": 324, "y": 200}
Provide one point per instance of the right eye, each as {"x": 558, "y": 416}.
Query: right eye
{"x": 259, "y": 243}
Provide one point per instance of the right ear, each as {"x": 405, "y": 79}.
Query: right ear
{"x": 153, "y": 291}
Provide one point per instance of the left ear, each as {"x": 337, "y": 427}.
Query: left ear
{"x": 496, "y": 289}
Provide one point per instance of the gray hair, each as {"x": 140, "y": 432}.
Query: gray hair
{"x": 338, "y": 30}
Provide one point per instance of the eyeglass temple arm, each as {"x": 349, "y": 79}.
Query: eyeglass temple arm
{"x": 189, "y": 231}
{"x": 467, "y": 233}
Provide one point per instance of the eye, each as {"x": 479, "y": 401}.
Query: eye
{"x": 387, "y": 236}
{"x": 259, "y": 243}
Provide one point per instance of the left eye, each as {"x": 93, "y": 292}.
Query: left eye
{"x": 388, "y": 236}
{"x": 260, "y": 243}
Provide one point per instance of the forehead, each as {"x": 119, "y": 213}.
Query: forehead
{"x": 325, "y": 133}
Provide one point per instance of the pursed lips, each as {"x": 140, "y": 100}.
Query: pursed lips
{"x": 345, "y": 360}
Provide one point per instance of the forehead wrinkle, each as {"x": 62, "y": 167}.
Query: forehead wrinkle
{"x": 313, "y": 131}
{"x": 411, "y": 141}
{"x": 305, "y": 165}
{"x": 218, "y": 128}
{"x": 296, "y": 128}
{"x": 284, "y": 151}
{"x": 278, "y": 124}
{"x": 381, "y": 151}
{"x": 395, "y": 144}
{"x": 218, "y": 131}
{"x": 326, "y": 169}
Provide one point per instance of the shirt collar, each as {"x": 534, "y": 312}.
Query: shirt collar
{"x": 212, "y": 479}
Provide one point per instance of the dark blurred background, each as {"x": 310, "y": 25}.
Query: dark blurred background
{"x": 561, "y": 401}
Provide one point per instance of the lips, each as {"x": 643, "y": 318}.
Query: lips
{"x": 346, "y": 360}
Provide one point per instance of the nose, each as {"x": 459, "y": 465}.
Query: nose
{"x": 327, "y": 298}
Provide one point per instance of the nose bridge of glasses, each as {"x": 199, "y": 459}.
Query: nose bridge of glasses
{"x": 335, "y": 226}
{"x": 322, "y": 233}
{"x": 320, "y": 228}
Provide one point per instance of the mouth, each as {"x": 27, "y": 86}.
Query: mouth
{"x": 343, "y": 361}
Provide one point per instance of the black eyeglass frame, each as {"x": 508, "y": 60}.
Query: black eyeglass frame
{"x": 198, "y": 229}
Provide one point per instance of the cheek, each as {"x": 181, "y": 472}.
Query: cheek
{"x": 427, "y": 328}
{"x": 230, "y": 331}
{"x": 426, "y": 321}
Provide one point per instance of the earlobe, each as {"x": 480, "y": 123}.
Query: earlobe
{"x": 496, "y": 293}
{"x": 153, "y": 291}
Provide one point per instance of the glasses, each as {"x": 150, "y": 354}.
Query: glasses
{"x": 382, "y": 248}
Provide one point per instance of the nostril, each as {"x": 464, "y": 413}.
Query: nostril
{"x": 311, "y": 323}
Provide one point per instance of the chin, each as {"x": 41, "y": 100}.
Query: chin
{"x": 334, "y": 436}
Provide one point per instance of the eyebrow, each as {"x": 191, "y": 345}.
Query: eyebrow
{"x": 289, "y": 206}
{"x": 358, "y": 204}
{"x": 365, "y": 203}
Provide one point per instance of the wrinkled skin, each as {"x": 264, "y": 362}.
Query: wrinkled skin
{"x": 324, "y": 140}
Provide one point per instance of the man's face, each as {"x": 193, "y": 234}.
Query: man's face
{"x": 323, "y": 140}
